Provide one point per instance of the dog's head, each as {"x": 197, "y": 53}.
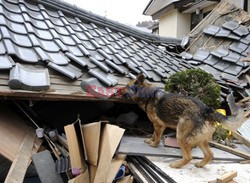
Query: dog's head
{"x": 134, "y": 87}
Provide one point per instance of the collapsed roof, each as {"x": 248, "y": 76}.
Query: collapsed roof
{"x": 49, "y": 49}
{"x": 219, "y": 45}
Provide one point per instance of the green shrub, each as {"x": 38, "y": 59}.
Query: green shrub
{"x": 196, "y": 83}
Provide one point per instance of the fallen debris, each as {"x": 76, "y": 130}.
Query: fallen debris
{"x": 91, "y": 149}
{"x": 231, "y": 150}
{"x": 45, "y": 167}
{"x": 12, "y": 132}
{"x": 22, "y": 160}
{"x": 227, "y": 177}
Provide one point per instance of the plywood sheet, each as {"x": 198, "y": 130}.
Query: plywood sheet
{"x": 136, "y": 146}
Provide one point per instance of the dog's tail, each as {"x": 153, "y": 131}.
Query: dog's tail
{"x": 230, "y": 122}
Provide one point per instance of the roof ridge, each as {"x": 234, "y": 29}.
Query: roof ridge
{"x": 115, "y": 25}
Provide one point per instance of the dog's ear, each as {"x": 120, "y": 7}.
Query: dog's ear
{"x": 140, "y": 78}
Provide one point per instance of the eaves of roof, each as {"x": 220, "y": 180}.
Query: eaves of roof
{"x": 170, "y": 7}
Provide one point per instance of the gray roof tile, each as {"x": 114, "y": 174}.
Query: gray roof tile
{"x": 223, "y": 33}
{"x": 231, "y": 25}
{"x": 232, "y": 57}
{"x": 122, "y": 60}
{"x": 146, "y": 66}
{"x": 211, "y": 30}
{"x": 84, "y": 50}
{"x": 201, "y": 55}
{"x": 114, "y": 66}
{"x": 11, "y": 7}
{"x": 132, "y": 76}
{"x": 234, "y": 36}
{"x": 6, "y": 62}
{"x": 238, "y": 47}
{"x": 97, "y": 56}
{"x": 221, "y": 65}
{"x": 160, "y": 73}
{"x": 135, "y": 61}
{"x": 211, "y": 60}
{"x": 229, "y": 77}
{"x": 103, "y": 53}
{"x": 23, "y": 78}
{"x": 133, "y": 68}
{"x": 78, "y": 60}
{"x": 64, "y": 70}
{"x": 100, "y": 64}
{"x": 233, "y": 69}
{"x": 145, "y": 72}
{"x": 220, "y": 52}
{"x": 15, "y": 17}
{"x": 211, "y": 70}
{"x": 58, "y": 58}
{"x": 92, "y": 86}
{"x": 14, "y": 27}
{"x": 20, "y": 40}
{"x": 186, "y": 55}
{"x": 241, "y": 31}
{"x": 75, "y": 50}
{"x": 245, "y": 39}
{"x": 155, "y": 76}
{"x": 101, "y": 77}
{"x": 25, "y": 54}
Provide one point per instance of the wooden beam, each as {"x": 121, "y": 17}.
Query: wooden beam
{"x": 230, "y": 150}
{"x": 22, "y": 160}
{"x": 227, "y": 177}
{"x": 241, "y": 139}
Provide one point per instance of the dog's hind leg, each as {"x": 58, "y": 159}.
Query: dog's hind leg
{"x": 186, "y": 155}
{"x": 183, "y": 130}
{"x": 208, "y": 154}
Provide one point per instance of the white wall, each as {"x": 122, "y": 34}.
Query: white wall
{"x": 168, "y": 24}
{"x": 174, "y": 24}
{"x": 184, "y": 24}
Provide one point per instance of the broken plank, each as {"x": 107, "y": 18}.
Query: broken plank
{"x": 45, "y": 167}
{"x": 227, "y": 177}
{"x": 22, "y": 160}
{"x": 230, "y": 150}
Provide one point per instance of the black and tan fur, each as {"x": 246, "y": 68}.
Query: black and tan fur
{"x": 191, "y": 118}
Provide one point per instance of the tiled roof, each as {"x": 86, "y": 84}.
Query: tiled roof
{"x": 55, "y": 46}
{"x": 219, "y": 45}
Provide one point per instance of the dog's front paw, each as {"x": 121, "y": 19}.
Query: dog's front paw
{"x": 175, "y": 164}
{"x": 154, "y": 144}
{"x": 148, "y": 141}
{"x": 199, "y": 164}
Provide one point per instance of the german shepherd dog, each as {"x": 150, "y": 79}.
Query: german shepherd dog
{"x": 191, "y": 118}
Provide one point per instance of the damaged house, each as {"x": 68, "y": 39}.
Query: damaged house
{"x": 61, "y": 64}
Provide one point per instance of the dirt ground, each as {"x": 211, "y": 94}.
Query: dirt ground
{"x": 191, "y": 174}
